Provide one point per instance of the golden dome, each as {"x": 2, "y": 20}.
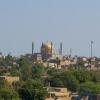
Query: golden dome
{"x": 47, "y": 45}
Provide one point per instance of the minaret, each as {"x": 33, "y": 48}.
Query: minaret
{"x": 60, "y": 50}
{"x": 32, "y": 48}
{"x": 51, "y": 48}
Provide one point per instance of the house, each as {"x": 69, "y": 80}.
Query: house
{"x": 10, "y": 79}
{"x": 37, "y": 57}
{"x": 55, "y": 93}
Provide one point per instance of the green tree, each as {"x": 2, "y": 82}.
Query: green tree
{"x": 90, "y": 88}
{"x": 8, "y": 60}
{"x": 37, "y": 70}
{"x": 96, "y": 76}
{"x": 8, "y": 94}
{"x": 32, "y": 90}
{"x": 82, "y": 75}
{"x": 65, "y": 79}
{"x": 25, "y": 68}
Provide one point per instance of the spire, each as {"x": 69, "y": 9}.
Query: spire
{"x": 60, "y": 50}
{"x": 32, "y": 48}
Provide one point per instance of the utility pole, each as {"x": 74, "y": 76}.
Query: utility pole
{"x": 70, "y": 52}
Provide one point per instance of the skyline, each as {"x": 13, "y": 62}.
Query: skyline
{"x": 57, "y": 50}
{"x": 74, "y": 23}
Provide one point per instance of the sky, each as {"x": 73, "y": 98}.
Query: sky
{"x": 73, "y": 22}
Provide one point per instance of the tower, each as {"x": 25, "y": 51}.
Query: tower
{"x": 32, "y": 48}
{"x": 60, "y": 50}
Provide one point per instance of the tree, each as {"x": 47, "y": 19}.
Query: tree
{"x": 37, "y": 70}
{"x": 8, "y": 60}
{"x": 96, "y": 76}
{"x": 88, "y": 88}
{"x": 8, "y": 94}
{"x": 25, "y": 68}
{"x": 32, "y": 90}
{"x": 65, "y": 79}
{"x": 82, "y": 75}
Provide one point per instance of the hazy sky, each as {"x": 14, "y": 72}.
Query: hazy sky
{"x": 74, "y": 22}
